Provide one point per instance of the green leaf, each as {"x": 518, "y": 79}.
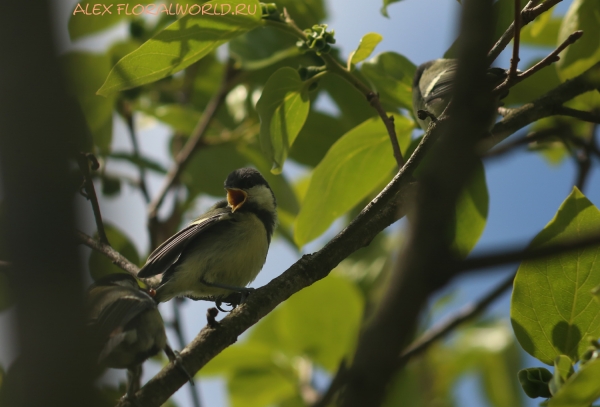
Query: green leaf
{"x": 353, "y": 166}
{"x": 259, "y": 49}
{"x": 366, "y": 46}
{"x": 582, "y": 388}
{"x": 534, "y": 87}
{"x": 563, "y": 369}
{"x": 552, "y": 309}
{"x": 283, "y": 108}
{"x": 260, "y": 387}
{"x": 386, "y": 3}
{"x": 86, "y": 72}
{"x": 180, "y": 118}
{"x": 316, "y": 138}
{"x": 243, "y": 356}
{"x": 324, "y": 337}
{"x": 181, "y": 44}
{"x": 471, "y": 213}
{"x": 391, "y": 75}
{"x": 142, "y": 162}
{"x": 543, "y": 32}
{"x": 534, "y": 381}
{"x": 100, "y": 265}
{"x": 578, "y": 57}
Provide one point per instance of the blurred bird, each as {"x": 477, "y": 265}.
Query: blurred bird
{"x": 432, "y": 87}
{"x": 223, "y": 250}
{"x": 126, "y": 327}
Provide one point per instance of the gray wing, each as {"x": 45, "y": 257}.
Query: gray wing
{"x": 120, "y": 312}
{"x": 168, "y": 253}
{"x": 442, "y": 85}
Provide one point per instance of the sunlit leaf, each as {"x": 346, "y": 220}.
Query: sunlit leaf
{"x": 260, "y": 387}
{"x": 324, "y": 337}
{"x": 243, "y": 356}
{"x": 365, "y": 48}
{"x": 353, "y": 166}
{"x": 283, "y": 108}
{"x": 182, "y": 43}
{"x": 552, "y": 309}
{"x": 581, "y": 389}
{"x": 391, "y": 75}
{"x": 543, "y": 31}
{"x": 578, "y": 57}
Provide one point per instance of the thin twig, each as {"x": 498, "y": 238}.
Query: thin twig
{"x": 90, "y": 192}
{"x": 334, "y": 66}
{"x": 373, "y": 99}
{"x": 514, "y": 61}
{"x": 501, "y": 257}
{"x": 176, "y": 325}
{"x": 443, "y": 328}
{"x": 529, "y": 13}
{"x": 548, "y": 60}
{"x": 579, "y": 114}
{"x": 117, "y": 258}
{"x": 532, "y": 137}
{"x": 128, "y": 114}
{"x": 195, "y": 138}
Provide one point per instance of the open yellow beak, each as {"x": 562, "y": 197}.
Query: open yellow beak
{"x": 236, "y": 198}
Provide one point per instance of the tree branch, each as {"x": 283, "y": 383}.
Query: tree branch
{"x": 545, "y": 106}
{"x": 443, "y": 328}
{"x": 117, "y": 258}
{"x": 90, "y": 191}
{"x": 334, "y": 66}
{"x": 421, "y": 267}
{"x": 128, "y": 115}
{"x": 529, "y": 13}
{"x": 499, "y": 258}
{"x": 591, "y": 117}
{"x": 382, "y": 211}
{"x": 515, "y": 78}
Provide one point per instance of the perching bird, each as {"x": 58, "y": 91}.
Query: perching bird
{"x": 432, "y": 86}
{"x": 223, "y": 250}
{"x": 126, "y": 327}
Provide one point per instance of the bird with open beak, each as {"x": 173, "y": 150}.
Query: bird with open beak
{"x": 223, "y": 250}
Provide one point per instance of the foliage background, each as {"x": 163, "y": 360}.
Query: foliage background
{"x": 525, "y": 190}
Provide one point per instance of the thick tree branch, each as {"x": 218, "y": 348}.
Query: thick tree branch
{"x": 386, "y": 208}
{"x": 421, "y": 267}
{"x": 90, "y": 192}
{"x": 117, "y": 258}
